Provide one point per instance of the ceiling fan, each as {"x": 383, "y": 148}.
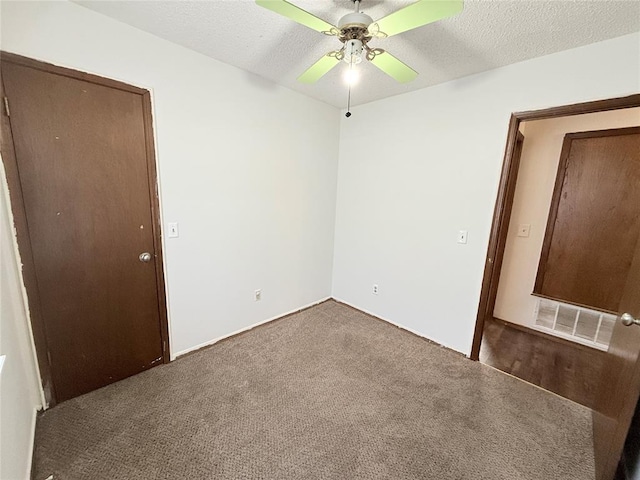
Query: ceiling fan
{"x": 356, "y": 29}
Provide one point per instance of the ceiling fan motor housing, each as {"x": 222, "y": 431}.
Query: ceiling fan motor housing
{"x": 355, "y": 19}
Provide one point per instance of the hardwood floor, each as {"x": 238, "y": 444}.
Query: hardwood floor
{"x": 568, "y": 369}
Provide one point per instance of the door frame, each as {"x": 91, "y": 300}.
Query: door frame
{"x": 20, "y": 219}
{"x": 504, "y": 200}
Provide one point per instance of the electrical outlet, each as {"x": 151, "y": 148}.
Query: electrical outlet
{"x": 257, "y": 295}
{"x": 374, "y": 290}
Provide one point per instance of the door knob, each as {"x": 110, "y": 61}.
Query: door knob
{"x": 627, "y": 319}
{"x": 145, "y": 257}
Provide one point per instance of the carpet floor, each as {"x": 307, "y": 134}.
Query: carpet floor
{"x": 327, "y": 393}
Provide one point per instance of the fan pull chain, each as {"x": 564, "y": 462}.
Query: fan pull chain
{"x": 348, "y": 114}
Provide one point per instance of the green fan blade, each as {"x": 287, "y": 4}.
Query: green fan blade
{"x": 296, "y": 14}
{"x": 319, "y": 68}
{"x": 417, "y": 15}
{"x": 394, "y": 67}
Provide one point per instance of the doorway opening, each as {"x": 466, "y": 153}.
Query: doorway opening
{"x": 558, "y": 341}
{"x": 540, "y": 124}
{"x": 544, "y": 314}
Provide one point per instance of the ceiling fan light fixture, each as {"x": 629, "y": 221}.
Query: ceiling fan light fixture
{"x": 353, "y": 51}
{"x": 351, "y": 76}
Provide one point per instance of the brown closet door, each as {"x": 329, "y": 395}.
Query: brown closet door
{"x": 594, "y": 223}
{"x": 81, "y": 158}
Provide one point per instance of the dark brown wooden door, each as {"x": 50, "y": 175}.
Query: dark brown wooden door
{"x": 594, "y": 221}
{"x": 619, "y": 387}
{"x": 81, "y": 156}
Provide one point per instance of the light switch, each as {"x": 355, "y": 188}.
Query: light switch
{"x": 173, "y": 230}
{"x": 524, "y": 229}
{"x": 462, "y": 236}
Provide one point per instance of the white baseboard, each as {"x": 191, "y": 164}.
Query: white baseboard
{"x": 216, "y": 340}
{"x": 32, "y": 442}
{"x": 400, "y": 326}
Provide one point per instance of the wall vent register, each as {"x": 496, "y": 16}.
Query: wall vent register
{"x": 581, "y": 325}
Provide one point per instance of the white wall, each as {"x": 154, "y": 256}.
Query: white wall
{"x": 249, "y": 170}
{"x": 246, "y": 167}
{"x": 416, "y": 168}
{"x": 534, "y": 189}
{"x": 19, "y": 384}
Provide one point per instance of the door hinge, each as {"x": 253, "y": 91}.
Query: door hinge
{"x": 48, "y": 352}
{"x": 164, "y": 346}
{"x": 6, "y": 107}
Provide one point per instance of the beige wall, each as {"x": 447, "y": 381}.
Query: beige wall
{"x": 538, "y": 167}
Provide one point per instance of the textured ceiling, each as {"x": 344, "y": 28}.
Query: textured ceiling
{"x": 486, "y": 35}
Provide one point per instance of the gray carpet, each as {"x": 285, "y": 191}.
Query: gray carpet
{"x": 327, "y": 393}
